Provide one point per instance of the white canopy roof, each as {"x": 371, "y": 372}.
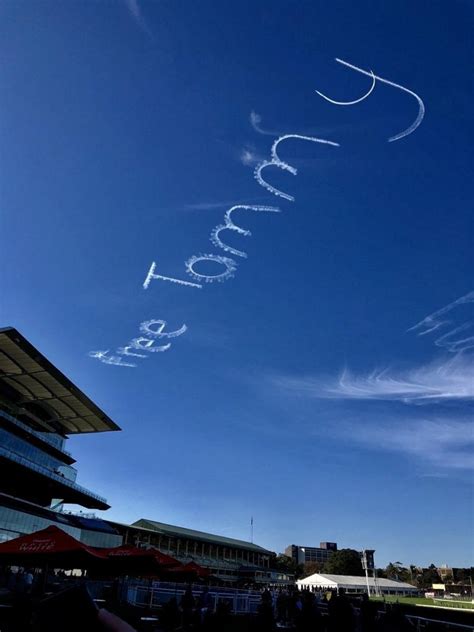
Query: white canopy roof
{"x": 352, "y": 581}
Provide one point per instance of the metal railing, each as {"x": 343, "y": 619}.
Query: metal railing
{"x": 155, "y": 596}
{"x": 421, "y": 623}
{"x": 14, "y": 456}
{"x": 43, "y": 436}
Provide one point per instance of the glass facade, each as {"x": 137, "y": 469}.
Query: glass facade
{"x": 39, "y": 408}
{"x": 23, "y": 448}
{"x": 14, "y": 523}
{"x": 48, "y": 437}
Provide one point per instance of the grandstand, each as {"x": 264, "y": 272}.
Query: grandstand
{"x": 39, "y": 409}
{"x": 228, "y": 559}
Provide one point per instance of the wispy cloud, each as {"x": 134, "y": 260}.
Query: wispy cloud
{"x": 447, "y": 380}
{"x": 443, "y": 442}
{"x": 454, "y": 340}
{"x": 210, "y": 206}
{"x": 134, "y": 9}
{"x": 250, "y": 157}
{"x": 255, "y": 122}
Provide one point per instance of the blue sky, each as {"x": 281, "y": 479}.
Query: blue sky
{"x": 302, "y": 393}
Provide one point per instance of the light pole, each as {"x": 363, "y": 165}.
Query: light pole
{"x": 367, "y": 559}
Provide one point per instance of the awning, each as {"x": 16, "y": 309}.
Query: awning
{"x": 45, "y": 393}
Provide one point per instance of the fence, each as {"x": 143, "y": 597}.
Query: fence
{"x": 159, "y": 593}
{"x": 154, "y": 595}
{"x": 421, "y": 623}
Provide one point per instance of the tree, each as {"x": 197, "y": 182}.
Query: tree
{"x": 463, "y": 575}
{"x": 395, "y": 570}
{"x": 429, "y": 576}
{"x": 287, "y": 564}
{"x": 344, "y": 562}
{"x": 309, "y": 568}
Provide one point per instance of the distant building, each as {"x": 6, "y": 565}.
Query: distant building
{"x": 354, "y": 585}
{"x": 227, "y": 558}
{"x": 305, "y": 554}
{"x": 39, "y": 409}
{"x": 445, "y": 571}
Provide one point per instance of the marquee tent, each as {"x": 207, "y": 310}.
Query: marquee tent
{"x": 354, "y": 584}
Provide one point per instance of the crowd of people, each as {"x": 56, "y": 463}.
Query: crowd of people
{"x": 288, "y": 608}
{"x": 326, "y": 611}
{"x": 195, "y": 612}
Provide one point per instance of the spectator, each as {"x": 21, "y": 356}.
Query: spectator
{"x": 187, "y": 607}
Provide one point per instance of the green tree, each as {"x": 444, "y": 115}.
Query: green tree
{"x": 344, "y": 562}
{"x": 286, "y": 564}
{"x": 429, "y": 576}
{"x": 309, "y": 568}
{"x": 463, "y": 575}
{"x": 396, "y": 570}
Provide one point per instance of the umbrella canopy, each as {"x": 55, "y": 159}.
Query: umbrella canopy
{"x": 195, "y": 568}
{"x": 51, "y": 546}
{"x": 191, "y": 570}
{"x": 130, "y": 551}
{"x": 129, "y": 560}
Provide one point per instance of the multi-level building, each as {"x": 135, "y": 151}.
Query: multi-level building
{"x": 39, "y": 409}
{"x": 227, "y": 558}
{"x": 306, "y": 554}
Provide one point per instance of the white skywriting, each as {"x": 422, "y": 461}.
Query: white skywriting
{"x": 211, "y": 267}
{"x": 421, "y": 106}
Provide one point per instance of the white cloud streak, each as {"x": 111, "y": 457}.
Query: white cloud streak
{"x": 255, "y": 120}
{"x": 455, "y": 339}
{"x": 451, "y": 380}
{"x": 443, "y": 442}
{"x": 249, "y": 157}
{"x": 359, "y": 100}
{"x": 421, "y": 106}
{"x": 280, "y": 164}
{"x": 211, "y": 206}
{"x": 135, "y": 11}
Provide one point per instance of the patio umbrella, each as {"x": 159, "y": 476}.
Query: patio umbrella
{"x": 188, "y": 571}
{"x": 51, "y": 546}
{"x": 128, "y": 559}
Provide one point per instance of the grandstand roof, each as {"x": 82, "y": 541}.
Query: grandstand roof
{"x": 171, "y": 530}
{"x": 41, "y": 389}
{"x": 352, "y": 581}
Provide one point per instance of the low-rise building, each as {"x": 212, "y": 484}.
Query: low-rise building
{"x": 306, "y": 554}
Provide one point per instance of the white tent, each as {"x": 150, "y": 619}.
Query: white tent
{"x": 353, "y": 584}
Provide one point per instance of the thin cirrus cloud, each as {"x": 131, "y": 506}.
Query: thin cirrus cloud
{"x": 455, "y": 336}
{"x": 135, "y": 11}
{"x": 443, "y": 442}
{"x": 249, "y": 157}
{"x": 255, "y": 122}
{"x": 209, "y": 206}
{"x": 451, "y": 380}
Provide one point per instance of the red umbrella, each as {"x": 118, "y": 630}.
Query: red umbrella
{"x": 129, "y": 559}
{"x": 130, "y": 551}
{"x": 51, "y": 546}
{"x": 195, "y": 568}
{"x": 190, "y": 570}
{"x": 164, "y": 559}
